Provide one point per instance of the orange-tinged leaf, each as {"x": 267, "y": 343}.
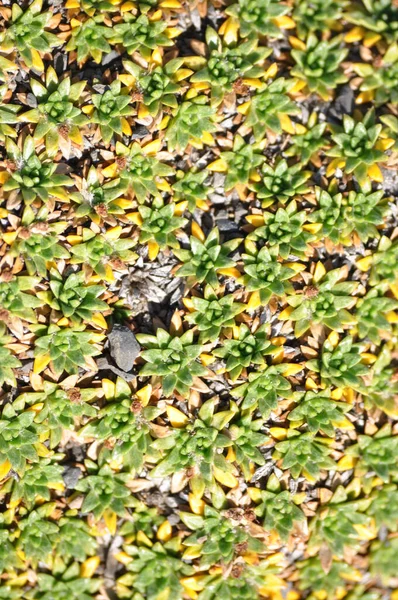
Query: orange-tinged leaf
{"x": 197, "y": 231}
{"x": 143, "y": 539}
{"x": 41, "y": 363}
{"x": 255, "y": 220}
{"x": 229, "y": 272}
{"x": 123, "y": 558}
{"x": 254, "y": 301}
{"x": 153, "y": 250}
{"x": 364, "y": 263}
{"x": 218, "y": 166}
{"x": 355, "y": 35}
{"x": 4, "y": 469}
{"x": 319, "y": 272}
{"x": 110, "y": 171}
{"x": 89, "y": 566}
{"x": 196, "y": 504}
{"x": 109, "y": 388}
{"x": 284, "y": 22}
{"x": 144, "y": 394}
{"x": 9, "y": 237}
{"x": 164, "y": 532}
{"x": 225, "y": 478}
{"x": 296, "y": 43}
{"x": 206, "y": 359}
{"x": 176, "y": 417}
{"x": 99, "y": 320}
{"x": 279, "y": 433}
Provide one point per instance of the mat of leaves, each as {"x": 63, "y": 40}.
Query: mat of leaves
{"x": 198, "y": 299}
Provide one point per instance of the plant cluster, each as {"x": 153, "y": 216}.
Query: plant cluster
{"x": 198, "y": 300}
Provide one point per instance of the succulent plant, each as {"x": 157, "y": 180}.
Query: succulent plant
{"x": 27, "y": 34}
{"x": 173, "y": 359}
{"x": 206, "y": 258}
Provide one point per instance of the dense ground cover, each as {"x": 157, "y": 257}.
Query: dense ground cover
{"x": 198, "y": 296}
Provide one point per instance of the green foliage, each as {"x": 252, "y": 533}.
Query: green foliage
{"x": 218, "y": 537}
{"x": 307, "y": 145}
{"x": 75, "y": 300}
{"x": 212, "y": 314}
{"x": 281, "y": 183}
{"x": 159, "y": 224}
{"x": 74, "y": 539}
{"x": 124, "y": 426}
{"x": 95, "y": 198}
{"x": 325, "y": 302}
{"x": 191, "y": 187}
{"x": 27, "y": 34}
{"x": 141, "y": 172}
{"x": 38, "y": 250}
{"x": 372, "y": 315}
{"x": 38, "y": 534}
{"x": 154, "y": 571}
{"x": 382, "y": 559}
{"x": 99, "y": 250}
{"x": 264, "y": 273}
{"x": 37, "y": 481}
{"x": 284, "y": 229}
{"x": 267, "y": 105}
{"x": 384, "y": 262}
{"x": 378, "y": 454}
{"x": 341, "y": 365}
{"x": 380, "y": 16}
{"x": 341, "y": 215}
{"x": 90, "y": 39}
{"x": 111, "y": 108}
{"x": 68, "y": 585}
{"x": 18, "y": 436}
{"x": 140, "y": 34}
{"x": 60, "y": 409}
{"x": 263, "y": 389}
{"x": 356, "y": 144}
{"x": 319, "y": 65}
{"x": 314, "y": 578}
{"x": 335, "y": 525}
{"x": 247, "y": 442}
{"x": 382, "y": 81}
{"x": 67, "y": 349}
{"x": 8, "y": 362}
{"x": 158, "y": 87}
{"x": 105, "y": 489}
{"x": 317, "y": 15}
{"x": 56, "y": 112}
{"x": 319, "y": 412}
{"x": 257, "y": 17}
{"x": 192, "y": 121}
{"x": 241, "y": 162}
{"x": 34, "y": 176}
{"x": 173, "y": 359}
{"x": 303, "y": 454}
{"x": 382, "y": 507}
{"x": 15, "y": 300}
{"x": 204, "y": 259}
{"x": 197, "y": 448}
{"x": 278, "y": 509}
{"x": 244, "y": 582}
{"x": 246, "y": 349}
{"x": 225, "y": 65}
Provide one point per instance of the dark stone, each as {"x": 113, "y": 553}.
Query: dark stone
{"x": 139, "y": 132}
{"x": 226, "y": 225}
{"x": 343, "y": 104}
{"x": 71, "y": 476}
{"x": 124, "y": 347}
